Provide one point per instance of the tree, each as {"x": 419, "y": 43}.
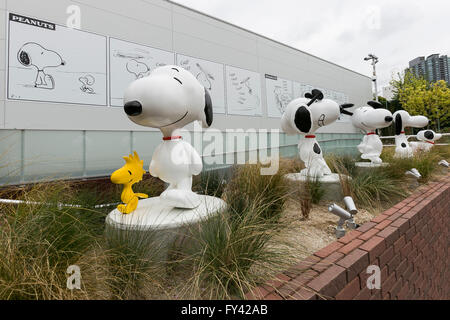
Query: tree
{"x": 391, "y": 105}
{"x": 421, "y": 97}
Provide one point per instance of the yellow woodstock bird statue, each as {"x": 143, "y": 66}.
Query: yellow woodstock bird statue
{"x": 128, "y": 175}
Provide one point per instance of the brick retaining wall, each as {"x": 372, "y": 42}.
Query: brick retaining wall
{"x": 409, "y": 242}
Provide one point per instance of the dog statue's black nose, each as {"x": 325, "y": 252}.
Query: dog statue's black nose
{"x": 133, "y": 108}
{"x": 388, "y": 119}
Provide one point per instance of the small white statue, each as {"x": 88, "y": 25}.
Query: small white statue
{"x": 426, "y": 139}
{"x": 369, "y": 119}
{"x": 168, "y": 99}
{"x": 402, "y": 119}
{"x": 305, "y": 116}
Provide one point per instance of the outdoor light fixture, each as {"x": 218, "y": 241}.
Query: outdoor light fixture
{"x": 444, "y": 163}
{"x": 351, "y": 224}
{"x": 350, "y": 204}
{"x": 344, "y": 216}
{"x": 374, "y": 59}
{"x": 413, "y": 173}
{"x": 370, "y": 57}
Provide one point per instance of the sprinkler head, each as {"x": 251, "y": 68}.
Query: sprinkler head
{"x": 413, "y": 173}
{"x": 444, "y": 163}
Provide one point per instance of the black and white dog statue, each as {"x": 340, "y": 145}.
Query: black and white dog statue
{"x": 402, "y": 120}
{"x": 369, "y": 119}
{"x": 169, "y": 99}
{"x": 305, "y": 116}
{"x": 426, "y": 139}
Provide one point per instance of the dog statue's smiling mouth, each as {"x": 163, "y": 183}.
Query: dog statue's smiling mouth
{"x": 170, "y": 124}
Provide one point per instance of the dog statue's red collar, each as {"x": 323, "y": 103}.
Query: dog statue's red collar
{"x": 311, "y": 136}
{"x": 371, "y": 133}
{"x": 172, "y": 138}
{"x": 430, "y": 142}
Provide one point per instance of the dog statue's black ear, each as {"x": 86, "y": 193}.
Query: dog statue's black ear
{"x": 314, "y": 96}
{"x": 302, "y": 119}
{"x": 346, "y": 112}
{"x": 398, "y": 124}
{"x": 317, "y": 94}
{"x": 375, "y": 104}
{"x": 24, "y": 58}
{"x": 208, "y": 109}
{"x": 344, "y": 106}
{"x": 429, "y": 135}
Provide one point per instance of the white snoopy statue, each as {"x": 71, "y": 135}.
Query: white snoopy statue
{"x": 168, "y": 99}
{"x": 402, "y": 120}
{"x": 369, "y": 119}
{"x": 305, "y": 116}
{"x": 426, "y": 139}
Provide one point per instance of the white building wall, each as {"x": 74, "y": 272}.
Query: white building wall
{"x": 160, "y": 24}
{"x": 171, "y": 27}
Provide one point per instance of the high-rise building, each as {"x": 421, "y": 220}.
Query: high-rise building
{"x": 433, "y": 68}
{"x": 417, "y": 66}
{"x": 445, "y": 70}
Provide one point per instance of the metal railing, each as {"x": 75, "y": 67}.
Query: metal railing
{"x": 18, "y": 164}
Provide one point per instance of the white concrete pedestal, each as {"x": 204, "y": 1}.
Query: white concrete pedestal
{"x": 167, "y": 223}
{"x": 367, "y": 165}
{"x": 153, "y": 214}
{"x": 330, "y": 183}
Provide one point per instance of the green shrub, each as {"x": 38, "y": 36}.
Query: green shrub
{"x": 372, "y": 186}
{"x": 89, "y": 197}
{"x": 247, "y": 185}
{"x": 345, "y": 167}
{"x": 425, "y": 162}
{"x": 305, "y": 204}
{"x": 151, "y": 186}
{"x": 134, "y": 263}
{"x": 210, "y": 183}
{"x": 443, "y": 152}
{"x": 232, "y": 255}
{"x": 341, "y": 164}
{"x": 39, "y": 241}
{"x": 315, "y": 189}
{"x": 290, "y": 165}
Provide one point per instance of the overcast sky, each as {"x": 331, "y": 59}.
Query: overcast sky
{"x": 345, "y": 31}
